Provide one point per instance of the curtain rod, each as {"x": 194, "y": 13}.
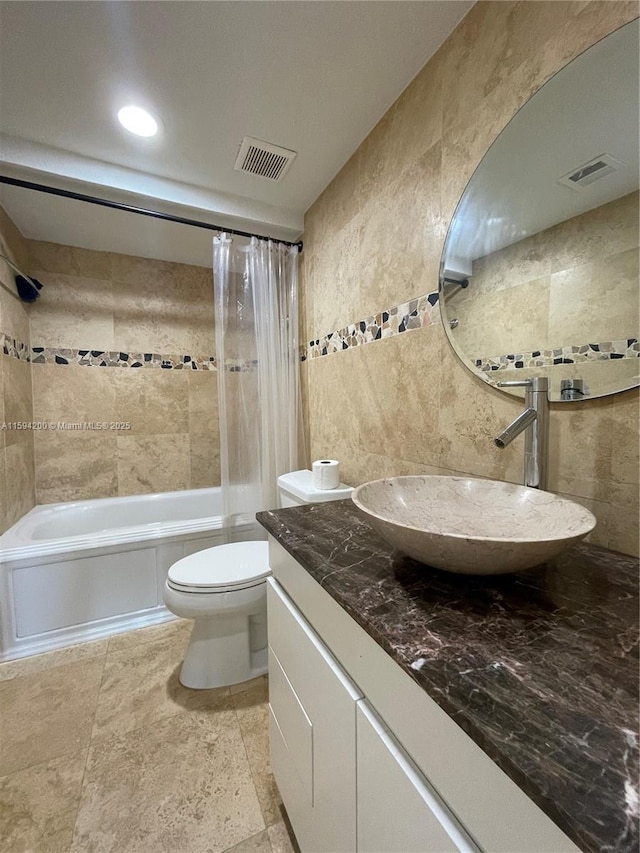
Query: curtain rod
{"x": 117, "y": 205}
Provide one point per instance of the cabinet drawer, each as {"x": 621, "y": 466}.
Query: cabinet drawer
{"x": 398, "y": 810}
{"x": 298, "y": 647}
{"x": 292, "y": 725}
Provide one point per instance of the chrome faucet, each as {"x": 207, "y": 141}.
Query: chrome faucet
{"x": 535, "y": 420}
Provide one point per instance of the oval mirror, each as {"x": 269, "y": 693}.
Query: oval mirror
{"x": 539, "y": 274}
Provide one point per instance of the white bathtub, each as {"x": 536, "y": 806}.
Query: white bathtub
{"x": 79, "y": 571}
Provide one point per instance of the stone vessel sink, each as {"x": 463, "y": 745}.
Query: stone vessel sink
{"x": 472, "y": 526}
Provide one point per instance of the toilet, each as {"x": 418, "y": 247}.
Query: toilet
{"x": 223, "y": 589}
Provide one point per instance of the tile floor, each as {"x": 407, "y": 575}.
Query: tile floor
{"x": 102, "y": 749}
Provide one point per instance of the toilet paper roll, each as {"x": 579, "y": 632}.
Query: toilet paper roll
{"x": 326, "y": 474}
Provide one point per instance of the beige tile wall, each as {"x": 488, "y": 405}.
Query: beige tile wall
{"x": 373, "y": 239}
{"x": 100, "y": 300}
{"x": 17, "y": 476}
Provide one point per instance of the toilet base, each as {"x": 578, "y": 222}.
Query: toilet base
{"x": 222, "y": 652}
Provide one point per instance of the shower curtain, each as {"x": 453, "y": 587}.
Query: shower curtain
{"x": 256, "y": 325}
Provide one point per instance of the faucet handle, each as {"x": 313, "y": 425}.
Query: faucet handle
{"x": 516, "y": 383}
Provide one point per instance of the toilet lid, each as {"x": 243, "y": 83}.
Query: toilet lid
{"x": 238, "y": 564}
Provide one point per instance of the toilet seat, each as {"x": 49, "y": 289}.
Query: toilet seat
{"x": 224, "y": 568}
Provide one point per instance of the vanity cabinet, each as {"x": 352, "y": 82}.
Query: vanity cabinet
{"x": 365, "y": 760}
{"x": 346, "y": 784}
{"x": 312, "y": 730}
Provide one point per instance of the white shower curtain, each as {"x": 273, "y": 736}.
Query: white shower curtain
{"x": 256, "y": 317}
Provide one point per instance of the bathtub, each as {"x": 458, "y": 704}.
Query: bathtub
{"x": 79, "y": 571}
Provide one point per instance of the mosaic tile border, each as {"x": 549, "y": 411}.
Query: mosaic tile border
{"x": 425, "y": 310}
{"x": 111, "y": 358}
{"x": 419, "y": 312}
{"x": 106, "y": 358}
{"x": 572, "y": 354}
{"x": 415, "y": 314}
{"x": 117, "y": 358}
{"x": 14, "y": 349}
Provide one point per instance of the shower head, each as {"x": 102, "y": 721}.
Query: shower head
{"x": 28, "y": 288}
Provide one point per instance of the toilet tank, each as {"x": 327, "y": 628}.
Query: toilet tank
{"x": 297, "y": 489}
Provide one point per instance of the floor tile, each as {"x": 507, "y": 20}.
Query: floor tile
{"x": 256, "y": 844}
{"x": 47, "y": 714}
{"x": 140, "y": 686}
{"x": 281, "y": 840}
{"x": 182, "y": 784}
{"x": 178, "y": 628}
{"x": 253, "y": 715}
{"x": 169, "y": 769}
{"x": 252, "y": 706}
{"x": 260, "y": 681}
{"x": 59, "y": 657}
{"x": 38, "y": 805}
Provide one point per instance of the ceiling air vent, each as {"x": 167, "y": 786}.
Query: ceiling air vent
{"x": 264, "y": 159}
{"x": 590, "y": 172}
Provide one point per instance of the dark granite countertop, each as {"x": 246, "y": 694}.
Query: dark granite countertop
{"x": 540, "y": 668}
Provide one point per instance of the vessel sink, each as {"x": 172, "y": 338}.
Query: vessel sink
{"x": 472, "y": 526}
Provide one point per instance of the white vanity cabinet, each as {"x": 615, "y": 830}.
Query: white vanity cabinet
{"x": 365, "y": 760}
{"x": 324, "y": 736}
{"x": 312, "y": 718}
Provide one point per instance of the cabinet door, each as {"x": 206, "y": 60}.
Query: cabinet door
{"x": 398, "y": 811}
{"x": 312, "y": 706}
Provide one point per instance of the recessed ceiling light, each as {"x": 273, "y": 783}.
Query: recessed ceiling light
{"x": 138, "y": 121}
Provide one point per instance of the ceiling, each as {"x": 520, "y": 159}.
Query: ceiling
{"x": 314, "y": 77}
